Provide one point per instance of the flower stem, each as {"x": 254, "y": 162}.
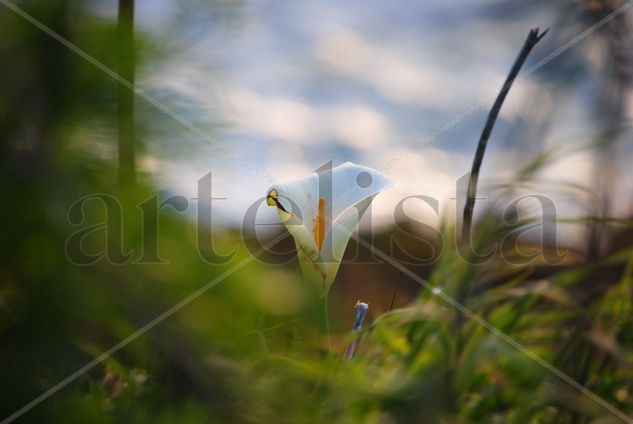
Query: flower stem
{"x": 320, "y": 313}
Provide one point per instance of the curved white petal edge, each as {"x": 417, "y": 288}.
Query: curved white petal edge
{"x": 322, "y": 211}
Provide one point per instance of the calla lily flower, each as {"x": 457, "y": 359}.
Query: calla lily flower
{"x": 321, "y": 212}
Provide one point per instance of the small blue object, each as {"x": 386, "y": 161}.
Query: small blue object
{"x": 361, "y": 310}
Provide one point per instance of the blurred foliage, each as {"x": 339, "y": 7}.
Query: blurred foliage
{"x": 243, "y": 351}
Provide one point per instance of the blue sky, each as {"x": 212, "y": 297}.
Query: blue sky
{"x": 288, "y": 86}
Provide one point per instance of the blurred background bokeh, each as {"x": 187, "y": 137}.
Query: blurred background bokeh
{"x": 261, "y": 91}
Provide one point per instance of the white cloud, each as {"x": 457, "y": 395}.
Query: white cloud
{"x": 411, "y": 81}
{"x": 361, "y": 127}
{"x": 356, "y": 125}
{"x": 427, "y": 173}
{"x": 572, "y": 168}
{"x": 276, "y": 117}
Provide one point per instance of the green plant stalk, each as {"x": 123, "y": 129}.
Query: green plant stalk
{"x": 320, "y": 312}
{"x": 532, "y": 39}
{"x": 126, "y": 65}
{"x": 317, "y": 307}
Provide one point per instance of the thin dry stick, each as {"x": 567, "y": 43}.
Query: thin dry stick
{"x": 532, "y": 39}
{"x": 395, "y": 292}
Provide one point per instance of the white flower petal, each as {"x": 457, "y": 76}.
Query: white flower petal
{"x": 353, "y": 183}
{"x": 301, "y": 234}
{"x": 322, "y": 221}
{"x": 337, "y": 238}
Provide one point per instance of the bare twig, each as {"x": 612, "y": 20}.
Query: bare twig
{"x": 532, "y": 39}
{"x": 395, "y": 292}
